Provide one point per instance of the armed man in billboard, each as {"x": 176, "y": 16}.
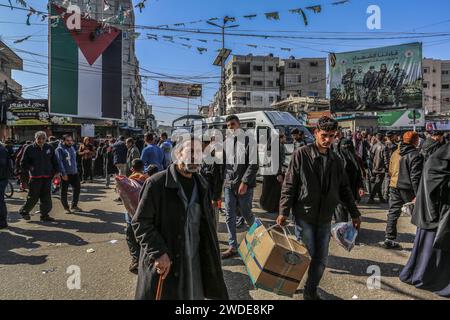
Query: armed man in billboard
{"x": 382, "y": 85}
{"x": 370, "y": 85}
{"x": 396, "y": 79}
{"x": 360, "y": 96}
{"x": 347, "y": 82}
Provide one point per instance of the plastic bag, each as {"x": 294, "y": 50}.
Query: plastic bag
{"x": 129, "y": 191}
{"x": 345, "y": 234}
{"x": 408, "y": 209}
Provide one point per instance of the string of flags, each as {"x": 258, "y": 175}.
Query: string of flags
{"x": 275, "y": 15}
{"x": 201, "y": 50}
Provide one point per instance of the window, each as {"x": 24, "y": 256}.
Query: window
{"x": 445, "y": 72}
{"x": 292, "y": 79}
{"x": 243, "y": 83}
{"x": 299, "y": 79}
{"x": 257, "y": 83}
{"x": 270, "y": 68}
{"x": 270, "y": 99}
{"x": 314, "y": 64}
{"x": 434, "y": 85}
{"x": 257, "y": 68}
{"x": 434, "y": 70}
{"x": 426, "y": 70}
{"x": 270, "y": 84}
{"x": 294, "y": 65}
{"x": 446, "y": 86}
{"x": 447, "y": 99}
{"x": 425, "y": 85}
{"x": 313, "y": 79}
{"x": 257, "y": 99}
{"x": 313, "y": 94}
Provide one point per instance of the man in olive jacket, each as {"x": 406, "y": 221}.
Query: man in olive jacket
{"x": 175, "y": 226}
{"x": 315, "y": 184}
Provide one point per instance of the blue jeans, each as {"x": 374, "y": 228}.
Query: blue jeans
{"x": 317, "y": 241}
{"x": 232, "y": 200}
{"x": 3, "y": 210}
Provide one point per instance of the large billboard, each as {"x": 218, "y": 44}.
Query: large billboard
{"x": 378, "y": 79}
{"x": 182, "y": 90}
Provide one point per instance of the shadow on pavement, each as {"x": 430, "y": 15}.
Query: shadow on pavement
{"x": 90, "y": 227}
{"x": 241, "y": 284}
{"x": 370, "y": 237}
{"x": 358, "y": 267}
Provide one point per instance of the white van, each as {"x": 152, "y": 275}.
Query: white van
{"x": 264, "y": 120}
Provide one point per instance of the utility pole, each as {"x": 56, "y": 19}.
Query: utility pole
{"x": 223, "y": 88}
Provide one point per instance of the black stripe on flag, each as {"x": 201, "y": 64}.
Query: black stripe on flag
{"x": 112, "y": 80}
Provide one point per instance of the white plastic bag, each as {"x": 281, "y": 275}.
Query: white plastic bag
{"x": 345, "y": 234}
{"x": 408, "y": 209}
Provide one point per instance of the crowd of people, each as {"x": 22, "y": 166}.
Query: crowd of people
{"x": 172, "y": 236}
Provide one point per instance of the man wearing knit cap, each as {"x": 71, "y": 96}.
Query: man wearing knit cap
{"x": 405, "y": 171}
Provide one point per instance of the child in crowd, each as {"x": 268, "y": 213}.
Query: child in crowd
{"x": 137, "y": 174}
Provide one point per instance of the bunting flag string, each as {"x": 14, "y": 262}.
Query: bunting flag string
{"x": 272, "y": 16}
{"x": 22, "y": 40}
{"x": 140, "y": 5}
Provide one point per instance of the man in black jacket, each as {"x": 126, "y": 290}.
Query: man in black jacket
{"x": 432, "y": 144}
{"x": 315, "y": 184}
{"x": 378, "y": 157}
{"x": 175, "y": 227}
{"x": 405, "y": 171}
{"x": 240, "y": 180}
{"x": 5, "y": 171}
{"x": 40, "y": 160}
{"x": 120, "y": 151}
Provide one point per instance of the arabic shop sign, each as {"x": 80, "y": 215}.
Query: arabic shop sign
{"x": 30, "y": 112}
{"x": 394, "y": 120}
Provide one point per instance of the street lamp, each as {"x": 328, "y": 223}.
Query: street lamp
{"x": 220, "y": 60}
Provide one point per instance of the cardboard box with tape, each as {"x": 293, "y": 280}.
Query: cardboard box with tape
{"x": 274, "y": 261}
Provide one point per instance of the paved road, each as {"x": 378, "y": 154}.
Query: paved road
{"x": 34, "y": 256}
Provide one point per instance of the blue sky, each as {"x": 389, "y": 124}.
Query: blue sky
{"x": 173, "y": 59}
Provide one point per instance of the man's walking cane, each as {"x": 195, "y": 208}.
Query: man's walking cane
{"x": 160, "y": 287}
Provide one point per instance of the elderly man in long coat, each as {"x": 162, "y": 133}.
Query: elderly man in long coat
{"x": 174, "y": 224}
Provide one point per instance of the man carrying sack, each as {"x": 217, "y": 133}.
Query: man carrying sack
{"x": 175, "y": 226}
{"x": 315, "y": 184}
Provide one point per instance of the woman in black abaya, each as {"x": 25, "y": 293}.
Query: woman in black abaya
{"x": 428, "y": 267}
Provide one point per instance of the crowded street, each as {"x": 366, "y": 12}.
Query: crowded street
{"x": 34, "y": 256}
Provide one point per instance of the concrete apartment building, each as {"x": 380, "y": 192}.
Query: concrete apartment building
{"x": 436, "y": 86}
{"x": 256, "y": 82}
{"x": 9, "y": 88}
{"x": 303, "y": 77}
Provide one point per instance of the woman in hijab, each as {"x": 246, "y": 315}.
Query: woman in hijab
{"x": 354, "y": 169}
{"x": 428, "y": 267}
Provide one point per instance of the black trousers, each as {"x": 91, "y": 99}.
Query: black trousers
{"x": 133, "y": 245}
{"x": 397, "y": 198}
{"x": 40, "y": 190}
{"x": 377, "y": 188}
{"x": 87, "y": 169}
{"x": 74, "y": 181}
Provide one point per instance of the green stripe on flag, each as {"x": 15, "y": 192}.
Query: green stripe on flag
{"x": 64, "y": 71}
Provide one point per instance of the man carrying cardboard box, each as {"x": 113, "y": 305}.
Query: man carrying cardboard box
{"x": 314, "y": 185}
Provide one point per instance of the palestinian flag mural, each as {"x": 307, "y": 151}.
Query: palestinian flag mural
{"x": 85, "y": 69}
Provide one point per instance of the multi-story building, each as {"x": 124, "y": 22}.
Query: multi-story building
{"x": 303, "y": 77}
{"x": 252, "y": 83}
{"x": 9, "y": 88}
{"x": 256, "y": 82}
{"x": 436, "y": 86}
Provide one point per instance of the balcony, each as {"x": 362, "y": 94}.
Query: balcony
{"x": 12, "y": 85}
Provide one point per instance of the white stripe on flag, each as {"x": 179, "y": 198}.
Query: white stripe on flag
{"x": 89, "y": 87}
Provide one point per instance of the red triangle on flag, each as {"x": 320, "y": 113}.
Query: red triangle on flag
{"x": 91, "y": 43}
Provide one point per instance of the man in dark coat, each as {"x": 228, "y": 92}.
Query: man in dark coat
{"x": 432, "y": 144}
{"x": 378, "y": 157}
{"x": 315, "y": 184}
{"x": 405, "y": 170}
{"x": 174, "y": 224}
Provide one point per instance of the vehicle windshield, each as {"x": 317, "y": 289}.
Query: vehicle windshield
{"x": 288, "y": 129}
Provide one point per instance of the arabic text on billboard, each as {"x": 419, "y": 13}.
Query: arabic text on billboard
{"x": 378, "y": 79}
{"x": 182, "y": 90}
{"x": 27, "y": 113}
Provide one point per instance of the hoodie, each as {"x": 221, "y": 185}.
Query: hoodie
{"x": 67, "y": 159}
{"x": 405, "y": 168}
